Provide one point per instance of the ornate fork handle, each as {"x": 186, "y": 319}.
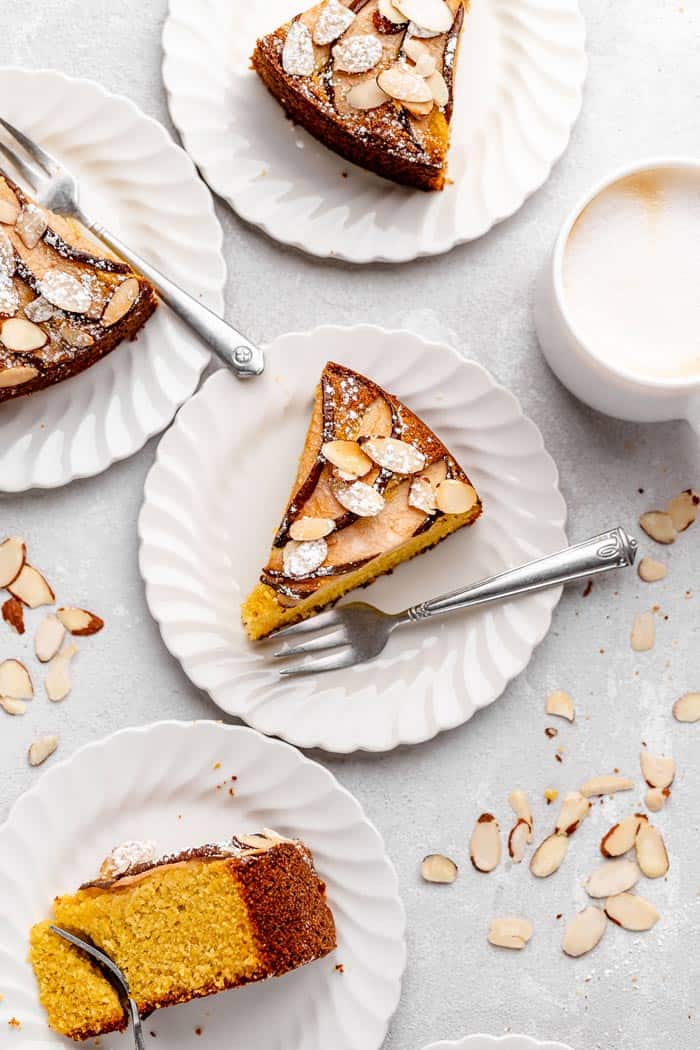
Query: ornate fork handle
{"x": 609, "y": 550}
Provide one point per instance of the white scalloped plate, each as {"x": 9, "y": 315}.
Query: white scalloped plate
{"x": 492, "y": 1042}
{"x": 219, "y": 486}
{"x": 159, "y": 783}
{"x": 135, "y": 180}
{"x": 518, "y": 93}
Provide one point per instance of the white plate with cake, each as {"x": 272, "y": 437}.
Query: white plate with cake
{"x": 218, "y": 495}
{"x": 93, "y": 411}
{"x": 167, "y": 829}
{"x": 509, "y": 110}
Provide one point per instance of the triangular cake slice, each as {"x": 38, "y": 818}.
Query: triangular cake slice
{"x": 65, "y": 302}
{"x": 371, "y": 79}
{"x": 374, "y": 487}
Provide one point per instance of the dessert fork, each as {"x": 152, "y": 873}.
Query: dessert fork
{"x": 358, "y": 632}
{"x": 113, "y": 973}
{"x": 56, "y": 188}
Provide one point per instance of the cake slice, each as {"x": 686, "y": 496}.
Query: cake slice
{"x": 64, "y": 302}
{"x": 180, "y": 928}
{"x": 371, "y": 79}
{"x": 374, "y": 487}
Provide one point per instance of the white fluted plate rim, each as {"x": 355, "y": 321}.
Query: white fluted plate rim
{"x": 496, "y": 1042}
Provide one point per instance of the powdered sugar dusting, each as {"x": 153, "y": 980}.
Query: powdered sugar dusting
{"x": 298, "y": 52}
{"x": 127, "y": 856}
{"x": 358, "y": 54}
{"x": 360, "y": 498}
{"x": 301, "y": 558}
{"x": 332, "y": 22}
{"x": 397, "y": 456}
{"x": 65, "y": 291}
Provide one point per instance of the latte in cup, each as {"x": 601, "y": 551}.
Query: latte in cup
{"x": 631, "y": 272}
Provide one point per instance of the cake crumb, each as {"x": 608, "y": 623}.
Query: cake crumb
{"x": 588, "y": 588}
{"x": 217, "y": 765}
{"x": 14, "y": 1023}
{"x": 339, "y": 968}
{"x": 198, "y": 1030}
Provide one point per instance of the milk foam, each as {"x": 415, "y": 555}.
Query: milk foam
{"x": 632, "y": 274}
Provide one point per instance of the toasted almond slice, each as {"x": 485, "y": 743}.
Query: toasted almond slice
{"x": 298, "y": 53}
{"x": 75, "y": 336}
{"x": 41, "y": 749}
{"x": 261, "y": 842}
{"x": 404, "y": 85}
{"x": 348, "y": 457}
{"x": 584, "y": 931}
{"x": 659, "y": 525}
{"x": 48, "y": 638}
{"x": 687, "y": 708}
{"x": 31, "y": 588}
{"x": 621, "y": 837}
{"x": 392, "y": 454}
{"x": 421, "y": 495}
{"x": 454, "y": 496}
{"x": 548, "y": 856}
{"x": 21, "y": 336}
{"x": 433, "y": 15}
{"x": 79, "y": 621}
{"x": 311, "y": 528}
{"x": 302, "y": 559}
{"x": 424, "y": 65}
{"x": 650, "y": 570}
{"x": 419, "y": 109}
{"x": 438, "y": 868}
{"x": 17, "y": 375}
{"x": 683, "y": 509}
{"x": 357, "y": 54}
{"x": 560, "y": 703}
{"x": 13, "y": 552}
{"x": 9, "y": 212}
{"x": 39, "y": 310}
{"x": 520, "y": 804}
{"x": 13, "y": 707}
{"x": 13, "y": 614}
{"x": 31, "y": 225}
{"x": 651, "y": 851}
{"x": 520, "y": 835}
{"x": 122, "y": 299}
{"x": 631, "y": 912}
{"x": 438, "y": 86}
{"x": 15, "y": 681}
{"x": 510, "y": 932}
{"x": 58, "y": 682}
{"x": 643, "y": 633}
{"x": 611, "y": 878}
{"x": 485, "y": 843}
{"x": 574, "y": 810}
{"x": 606, "y": 785}
{"x": 333, "y": 19}
{"x": 65, "y": 291}
{"x": 366, "y": 95}
{"x": 656, "y": 798}
{"x": 360, "y": 499}
{"x": 417, "y": 51}
{"x": 657, "y": 770}
{"x": 391, "y": 13}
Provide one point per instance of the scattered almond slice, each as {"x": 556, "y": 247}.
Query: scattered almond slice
{"x": 687, "y": 708}
{"x": 17, "y": 375}
{"x": 301, "y": 559}
{"x": 651, "y": 851}
{"x": 454, "y": 496}
{"x": 42, "y": 749}
{"x": 650, "y": 570}
{"x": 584, "y": 931}
{"x": 15, "y": 681}
{"x": 48, "y": 638}
{"x": 65, "y": 291}
{"x": 574, "y": 810}
{"x": 9, "y": 212}
{"x": 631, "y": 912}
{"x": 391, "y": 13}
{"x": 421, "y": 495}
{"x": 392, "y": 454}
{"x": 123, "y": 298}
{"x": 621, "y": 837}
{"x": 31, "y": 588}
{"x": 643, "y": 633}
{"x": 656, "y": 798}
{"x": 606, "y": 785}
{"x": 333, "y": 20}
{"x": 611, "y": 878}
{"x": 311, "y": 528}
{"x": 79, "y": 622}
{"x": 13, "y": 707}
{"x": 560, "y": 703}
{"x": 419, "y": 109}
{"x": 438, "y": 868}
{"x": 357, "y": 54}
{"x": 510, "y": 932}
{"x": 683, "y": 509}
{"x": 433, "y": 15}
{"x": 348, "y": 456}
{"x": 520, "y": 804}
{"x": 659, "y": 525}
{"x": 548, "y": 856}
{"x": 657, "y": 770}
{"x": 22, "y": 336}
{"x": 13, "y": 553}
{"x": 401, "y": 83}
{"x": 520, "y": 835}
{"x": 75, "y": 336}
{"x": 437, "y": 84}
{"x": 360, "y": 499}
{"x": 366, "y": 95}
{"x": 58, "y": 681}
{"x": 298, "y": 58}
{"x": 13, "y": 613}
{"x": 485, "y": 843}
{"x": 31, "y": 225}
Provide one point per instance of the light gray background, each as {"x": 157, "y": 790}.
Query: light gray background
{"x": 635, "y": 992}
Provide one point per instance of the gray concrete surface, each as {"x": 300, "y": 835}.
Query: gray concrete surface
{"x": 637, "y": 992}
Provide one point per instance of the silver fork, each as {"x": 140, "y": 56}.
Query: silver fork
{"x": 114, "y": 973}
{"x": 358, "y": 632}
{"x": 57, "y": 189}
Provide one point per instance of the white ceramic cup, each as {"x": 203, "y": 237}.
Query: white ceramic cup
{"x": 580, "y": 367}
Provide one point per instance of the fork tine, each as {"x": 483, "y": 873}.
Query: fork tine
{"x": 315, "y": 623}
{"x": 315, "y": 645}
{"x": 344, "y": 657}
{"x": 27, "y": 171}
{"x": 35, "y": 151}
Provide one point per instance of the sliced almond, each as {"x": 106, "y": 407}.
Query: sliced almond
{"x": 9, "y": 212}
{"x": 298, "y": 53}
{"x": 348, "y": 457}
{"x": 421, "y": 495}
{"x": 424, "y": 65}
{"x": 31, "y": 588}
{"x": 366, "y": 95}
{"x": 584, "y": 931}
{"x": 454, "y": 496}
{"x": 574, "y": 810}
{"x": 485, "y": 843}
{"x": 358, "y": 53}
{"x": 58, "y": 682}
{"x": 438, "y": 86}
{"x": 560, "y": 703}
{"x": 13, "y": 707}
{"x": 650, "y": 570}
{"x": 404, "y": 85}
{"x": 302, "y": 559}
{"x": 657, "y": 770}
{"x": 683, "y": 509}
{"x": 392, "y": 454}
{"x": 13, "y": 614}
{"x": 687, "y": 708}
{"x": 360, "y": 499}
{"x": 417, "y": 51}
{"x": 611, "y": 878}
{"x": 651, "y": 851}
{"x": 520, "y": 804}
{"x": 510, "y": 932}
{"x": 31, "y": 225}
{"x": 606, "y": 785}
{"x": 122, "y": 299}
{"x": 79, "y": 621}
{"x": 8, "y": 261}
{"x": 333, "y": 20}
{"x": 39, "y": 310}
{"x": 49, "y": 638}
{"x": 23, "y": 337}
{"x": 311, "y": 528}
{"x": 656, "y": 798}
{"x": 389, "y": 11}
{"x": 520, "y": 835}
{"x": 9, "y": 296}
{"x": 438, "y": 868}
{"x": 419, "y": 109}
{"x": 17, "y": 375}
{"x": 548, "y": 856}
{"x": 621, "y": 837}
{"x": 75, "y": 337}
{"x": 659, "y": 525}
{"x": 434, "y": 15}
{"x": 15, "y": 681}
{"x": 42, "y": 749}
{"x": 643, "y": 633}
{"x": 13, "y": 552}
{"x": 65, "y": 291}
{"x": 631, "y": 912}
